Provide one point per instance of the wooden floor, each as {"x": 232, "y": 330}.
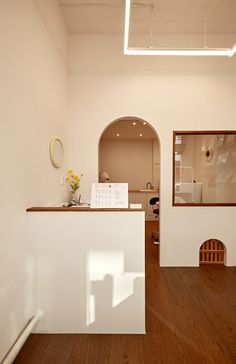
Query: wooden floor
{"x": 190, "y": 318}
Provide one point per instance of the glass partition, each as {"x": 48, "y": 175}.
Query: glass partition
{"x": 204, "y": 168}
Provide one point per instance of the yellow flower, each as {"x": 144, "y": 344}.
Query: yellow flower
{"x": 73, "y": 179}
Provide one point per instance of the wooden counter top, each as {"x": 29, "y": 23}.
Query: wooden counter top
{"x": 144, "y": 191}
{"x": 78, "y": 209}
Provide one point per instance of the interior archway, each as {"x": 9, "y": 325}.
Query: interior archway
{"x": 129, "y": 152}
{"x": 139, "y": 141}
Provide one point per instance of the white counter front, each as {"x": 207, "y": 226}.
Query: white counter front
{"x": 89, "y": 270}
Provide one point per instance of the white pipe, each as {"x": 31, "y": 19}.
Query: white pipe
{"x": 12, "y": 354}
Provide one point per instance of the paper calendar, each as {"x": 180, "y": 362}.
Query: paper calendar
{"x": 109, "y": 195}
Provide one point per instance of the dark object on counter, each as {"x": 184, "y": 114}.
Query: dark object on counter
{"x": 153, "y": 202}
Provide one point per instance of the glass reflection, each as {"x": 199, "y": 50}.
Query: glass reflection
{"x": 204, "y": 168}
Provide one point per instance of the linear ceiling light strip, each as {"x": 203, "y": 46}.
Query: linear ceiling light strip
{"x": 169, "y": 52}
{"x": 127, "y": 21}
{"x": 178, "y": 52}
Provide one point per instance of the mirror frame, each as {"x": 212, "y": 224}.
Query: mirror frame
{"x": 196, "y": 132}
{"x": 56, "y": 163}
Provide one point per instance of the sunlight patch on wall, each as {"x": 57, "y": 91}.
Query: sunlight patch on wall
{"x": 100, "y": 266}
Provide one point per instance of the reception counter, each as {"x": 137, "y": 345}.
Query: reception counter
{"x": 89, "y": 269}
{"x": 143, "y": 197}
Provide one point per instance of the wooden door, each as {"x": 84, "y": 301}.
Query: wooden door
{"x": 212, "y": 252}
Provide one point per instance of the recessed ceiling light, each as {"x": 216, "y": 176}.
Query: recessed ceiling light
{"x": 117, "y": 134}
{"x": 134, "y": 123}
{"x": 140, "y": 135}
{"x": 144, "y": 123}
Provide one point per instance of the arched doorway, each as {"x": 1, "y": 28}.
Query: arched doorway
{"x": 212, "y": 251}
{"x": 129, "y": 151}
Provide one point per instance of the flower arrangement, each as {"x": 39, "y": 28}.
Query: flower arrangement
{"x": 73, "y": 180}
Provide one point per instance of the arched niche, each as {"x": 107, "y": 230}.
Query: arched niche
{"x": 129, "y": 151}
{"x": 213, "y": 252}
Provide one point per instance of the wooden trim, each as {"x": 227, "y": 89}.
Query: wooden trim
{"x": 144, "y": 191}
{"x": 202, "y": 132}
{"x": 202, "y": 204}
{"x": 78, "y": 209}
{"x": 213, "y": 251}
{"x": 213, "y": 263}
{"x": 195, "y": 132}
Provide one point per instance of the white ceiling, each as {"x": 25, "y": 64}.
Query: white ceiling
{"x": 93, "y": 16}
{"x": 160, "y": 16}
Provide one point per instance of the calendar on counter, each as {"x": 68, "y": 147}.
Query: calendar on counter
{"x": 109, "y": 195}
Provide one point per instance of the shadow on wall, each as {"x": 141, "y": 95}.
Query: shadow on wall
{"x": 112, "y": 292}
{"x": 213, "y": 252}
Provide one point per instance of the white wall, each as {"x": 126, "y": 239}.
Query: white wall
{"x": 156, "y": 164}
{"x": 33, "y": 94}
{"x": 128, "y": 160}
{"x": 171, "y": 94}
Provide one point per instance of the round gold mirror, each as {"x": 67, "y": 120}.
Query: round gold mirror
{"x": 56, "y": 152}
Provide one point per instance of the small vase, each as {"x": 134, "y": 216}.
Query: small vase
{"x": 73, "y": 197}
